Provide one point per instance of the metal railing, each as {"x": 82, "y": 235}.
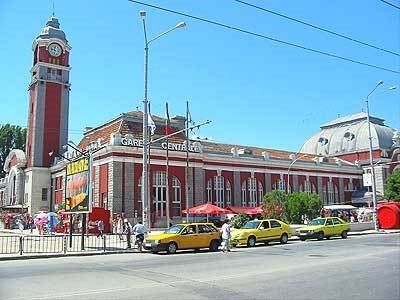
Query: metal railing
{"x": 56, "y": 244}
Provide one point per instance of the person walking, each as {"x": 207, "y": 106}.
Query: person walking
{"x": 139, "y": 231}
{"x": 226, "y": 236}
{"x": 120, "y": 227}
{"x": 100, "y": 228}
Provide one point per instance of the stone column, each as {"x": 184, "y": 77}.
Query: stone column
{"x": 237, "y": 189}
{"x": 198, "y": 186}
{"x": 341, "y": 190}
{"x": 320, "y": 192}
{"x": 190, "y": 187}
{"x": 129, "y": 181}
{"x": 268, "y": 187}
{"x": 295, "y": 179}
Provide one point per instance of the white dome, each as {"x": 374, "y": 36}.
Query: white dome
{"x": 349, "y": 134}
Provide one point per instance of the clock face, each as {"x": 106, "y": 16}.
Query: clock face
{"x": 55, "y": 50}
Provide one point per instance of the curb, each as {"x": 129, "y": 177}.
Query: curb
{"x": 38, "y": 256}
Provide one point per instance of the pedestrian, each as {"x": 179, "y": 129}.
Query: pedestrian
{"x": 352, "y": 219}
{"x": 139, "y": 231}
{"x": 30, "y": 223}
{"x": 120, "y": 227}
{"x": 100, "y": 228}
{"x": 20, "y": 225}
{"x": 226, "y": 236}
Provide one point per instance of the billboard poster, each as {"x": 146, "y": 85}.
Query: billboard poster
{"x": 77, "y": 187}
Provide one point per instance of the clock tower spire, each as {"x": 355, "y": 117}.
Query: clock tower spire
{"x": 48, "y": 96}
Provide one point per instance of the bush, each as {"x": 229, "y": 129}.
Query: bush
{"x": 392, "y": 186}
{"x": 239, "y": 220}
{"x": 274, "y": 205}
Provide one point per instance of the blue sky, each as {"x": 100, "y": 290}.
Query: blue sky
{"x": 256, "y": 92}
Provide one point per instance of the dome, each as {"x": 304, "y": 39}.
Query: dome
{"x": 349, "y": 134}
{"x": 53, "y": 31}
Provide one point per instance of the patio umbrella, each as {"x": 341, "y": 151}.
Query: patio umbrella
{"x": 207, "y": 209}
{"x": 254, "y": 210}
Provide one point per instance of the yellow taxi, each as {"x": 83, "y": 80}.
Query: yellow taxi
{"x": 324, "y": 227}
{"x": 264, "y": 231}
{"x": 185, "y": 236}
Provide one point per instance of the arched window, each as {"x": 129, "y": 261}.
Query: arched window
{"x": 260, "y": 193}
{"x": 244, "y": 198}
{"x": 331, "y": 193}
{"x": 228, "y": 194}
{"x": 251, "y": 187}
{"x": 308, "y": 188}
{"x": 280, "y": 185}
{"x": 209, "y": 191}
{"x": 140, "y": 206}
{"x": 219, "y": 190}
{"x": 159, "y": 193}
{"x": 252, "y": 192}
{"x": 176, "y": 196}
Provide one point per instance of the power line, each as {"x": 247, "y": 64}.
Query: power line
{"x": 391, "y": 4}
{"x": 265, "y": 37}
{"x": 316, "y": 27}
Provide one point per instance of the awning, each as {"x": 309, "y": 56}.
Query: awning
{"x": 340, "y": 207}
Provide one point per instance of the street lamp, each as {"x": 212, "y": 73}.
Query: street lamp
{"x": 290, "y": 166}
{"x": 380, "y": 82}
{"x": 145, "y": 116}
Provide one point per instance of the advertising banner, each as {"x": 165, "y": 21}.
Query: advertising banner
{"x": 77, "y": 187}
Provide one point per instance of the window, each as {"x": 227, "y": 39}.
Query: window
{"x": 44, "y": 194}
{"x": 280, "y": 186}
{"x": 176, "y": 197}
{"x": 228, "y": 194}
{"x": 244, "y": 198}
{"x": 336, "y": 221}
{"x": 139, "y": 209}
{"x": 275, "y": 224}
{"x": 159, "y": 193}
{"x": 204, "y": 229}
{"x": 103, "y": 200}
{"x": 252, "y": 192}
{"x": 264, "y": 225}
{"x": 191, "y": 229}
{"x": 329, "y": 222}
{"x": 219, "y": 190}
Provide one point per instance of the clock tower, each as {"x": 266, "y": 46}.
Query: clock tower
{"x": 48, "y": 96}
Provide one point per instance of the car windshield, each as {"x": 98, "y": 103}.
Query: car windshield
{"x": 317, "y": 222}
{"x": 174, "y": 229}
{"x": 251, "y": 225}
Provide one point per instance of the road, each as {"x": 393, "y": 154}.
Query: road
{"x": 361, "y": 267}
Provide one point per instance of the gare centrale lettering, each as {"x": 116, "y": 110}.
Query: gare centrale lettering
{"x": 193, "y": 147}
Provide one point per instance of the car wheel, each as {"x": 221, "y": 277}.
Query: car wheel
{"x": 214, "y": 245}
{"x": 251, "y": 241}
{"x": 320, "y": 235}
{"x": 171, "y": 248}
{"x": 344, "y": 235}
{"x": 328, "y": 237}
{"x": 266, "y": 243}
{"x": 284, "y": 238}
{"x": 302, "y": 239}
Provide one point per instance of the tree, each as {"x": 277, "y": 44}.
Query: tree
{"x": 297, "y": 207}
{"x": 392, "y": 186}
{"x": 239, "y": 220}
{"x": 314, "y": 206}
{"x": 274, "y": 205}
{"x": 11, "y": 137}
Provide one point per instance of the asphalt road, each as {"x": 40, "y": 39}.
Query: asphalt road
{"x": 361, "y": 267}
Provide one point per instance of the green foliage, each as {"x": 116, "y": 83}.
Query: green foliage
{"x": 274, "y": 205}
{"x": 239, "y": 220}
{"x": 292, "y": 207}
{"x": 11, "y": 137}
{"x": 392, "y": 186}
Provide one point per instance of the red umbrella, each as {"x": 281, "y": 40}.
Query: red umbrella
{"x": 207, "y": 209}
{"x": 254, "y": 210}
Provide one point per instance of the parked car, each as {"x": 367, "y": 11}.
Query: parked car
{"x": 324, "y": 227}
{"x": 264, "y": 231}
{"x": 185, "y": 236}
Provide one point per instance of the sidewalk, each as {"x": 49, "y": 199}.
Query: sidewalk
{"x": 26, "y": 233}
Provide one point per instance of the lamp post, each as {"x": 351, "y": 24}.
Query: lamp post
{"x": 376, "y": 225}
{"x": 145, "y": 207}
{"x": 290, "y": 166}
